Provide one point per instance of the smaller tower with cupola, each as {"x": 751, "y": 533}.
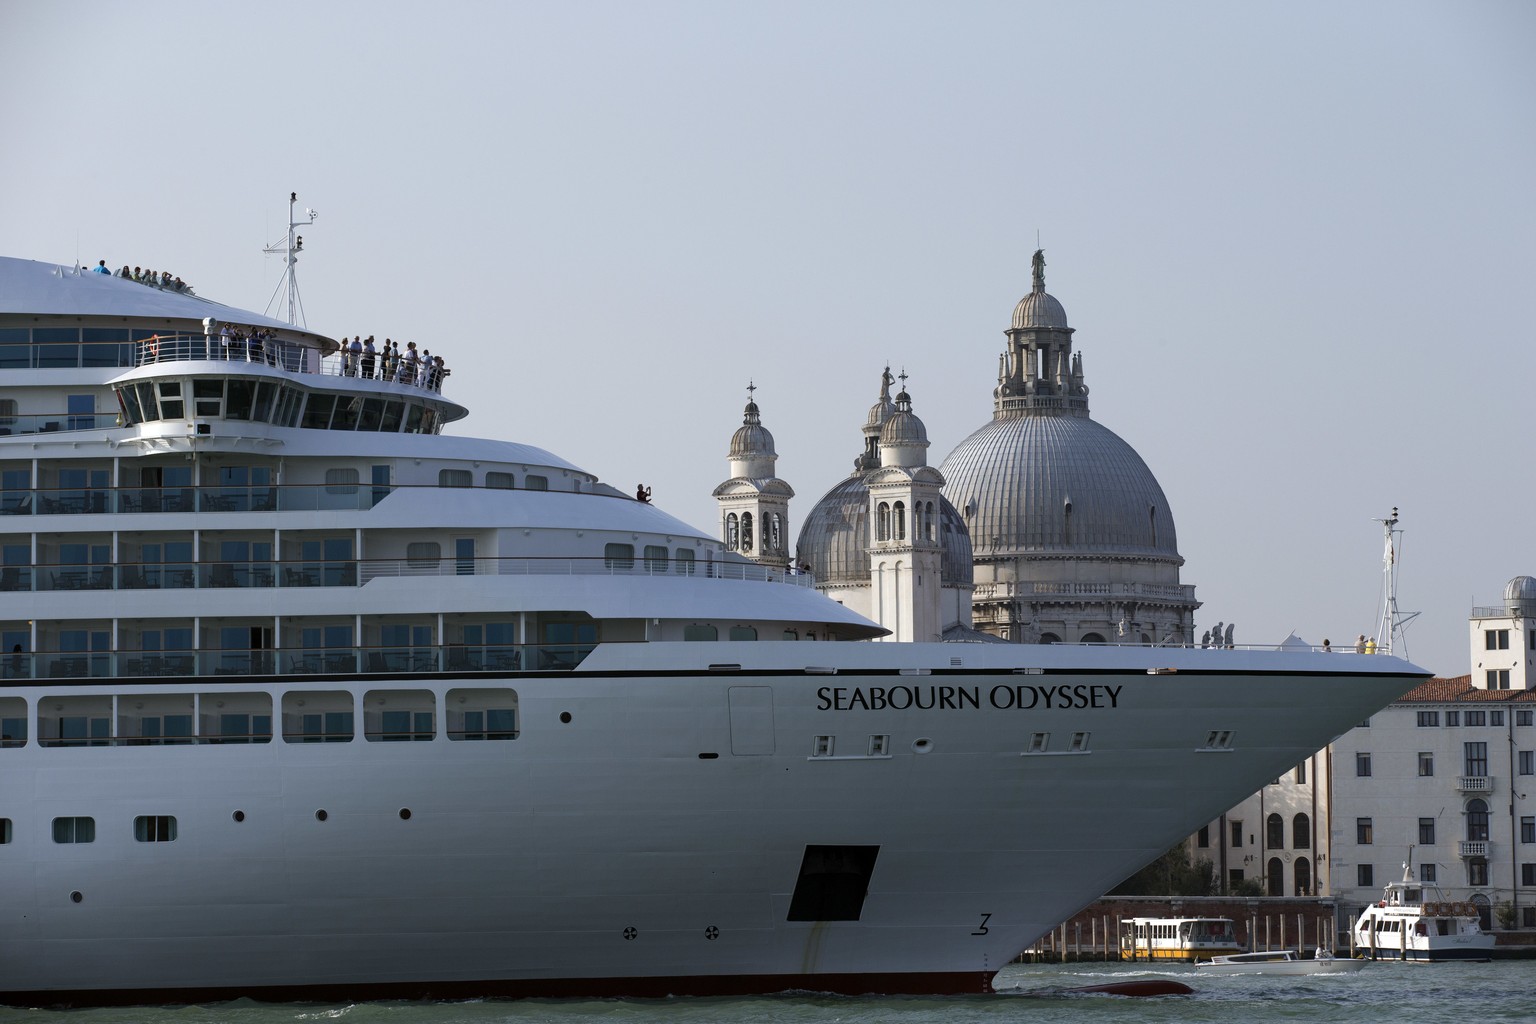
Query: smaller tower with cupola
{"x": 905, "y": 557}
{"x": 754, "y": 503}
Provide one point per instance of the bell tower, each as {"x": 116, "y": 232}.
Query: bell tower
{"x": 905, "y": 556}
{"x": 754, "y": 503}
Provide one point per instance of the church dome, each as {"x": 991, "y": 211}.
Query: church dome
{"x": 1037, "y": 309}
{"x": 834, "y": 536}
{"x": 1520, "y": 595}
{"x": 1057, "y": 485}
{"x": 752, "y": 439}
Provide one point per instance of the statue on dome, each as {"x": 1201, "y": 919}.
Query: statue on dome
{"x": 1038, "y": 265}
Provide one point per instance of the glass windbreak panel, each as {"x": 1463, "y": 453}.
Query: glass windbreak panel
{"x": 380, "y": 483}
{"x": 372, "y": 415}
{"x": 82, "y": 412}
{"x": 348, "y": 411}
{"x": 394, "y": 414}
{"x": 106, "y": 346}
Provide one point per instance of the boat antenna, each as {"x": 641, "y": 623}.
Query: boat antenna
{"x": 1390, "y": 637}
{"x": 289, "y": 248}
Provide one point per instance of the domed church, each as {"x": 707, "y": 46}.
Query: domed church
{"x": 1071, "y": 536}
{"x": 1041, "y": 527}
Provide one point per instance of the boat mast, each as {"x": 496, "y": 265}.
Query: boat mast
{"x": 289, "y": 248}
{"x": 1390, "y": 637}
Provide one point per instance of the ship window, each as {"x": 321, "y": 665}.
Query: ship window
{"x": 154, "y": 828}
{"x": 489, "y": 713}
{"x": 822, "y": 746}
{"x": 502, "y": 481}
{"x": 455, "y": 478}
{"x": 1079, "y": 743}
{"x": 15, "y": 348}
{"x": 399, "y": 716}
{"x": 208, "y": 397}
{"x": 348, "y": 411}
{"x": 311, "y": 716}
{"x": 423, "y": 554}
{"x": 743, "y": 633}
{"x": 74, "y": 830}
{"x": 696, "y": 631}
{"x": 372, "y": 415}
{"x": 394, "y": 415}
{"x": 341, "y": 480}
{"x": 317, "y": 411}
{"x": 57, "y": 346}
{"x": 5, "y": 831}
{"x": 1039, "y": 742}
{"x": 684, "y": 560}
{"x": 655, "y": 558}
{"x": 264, "y": 396}
{"x": 879, "y": 745}
{"x": 619, "y": 557}
{"x": 170, "y": 399}
{"x": 536, "y": 483}
{"x": 241, "y": 399}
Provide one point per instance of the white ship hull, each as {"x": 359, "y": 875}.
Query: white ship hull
{"x": 612, "y": 854}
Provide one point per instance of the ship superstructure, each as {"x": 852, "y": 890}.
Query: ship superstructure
{"x": 305, "y": 698}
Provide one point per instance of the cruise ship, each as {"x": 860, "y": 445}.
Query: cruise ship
{"x": 305, "y": 698}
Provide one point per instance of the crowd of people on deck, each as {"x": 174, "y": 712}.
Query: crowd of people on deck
{"x": 361, "y": 357}
{"x": 159, "y": 279}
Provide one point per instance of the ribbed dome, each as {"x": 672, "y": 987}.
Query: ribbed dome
{"x": 752, "y": 439}
{"x": 903, "y": 426}
{"x": 1057, "y": 484}
{"x": 1038, "y": 309}
{"x": 1520, "y": 595}
{"x": 834, "y": 536}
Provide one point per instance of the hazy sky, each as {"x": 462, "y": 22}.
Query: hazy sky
{"x": 1295, "y": 239}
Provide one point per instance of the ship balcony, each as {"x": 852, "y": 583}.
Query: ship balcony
{"x": 1474, "y": 847}
{"x": 1475, "y": 784}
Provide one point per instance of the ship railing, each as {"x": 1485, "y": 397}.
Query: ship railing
{"x": 352, "y": 572}
{"x": 420, "y": 659}
{"x": 273, "y": 352}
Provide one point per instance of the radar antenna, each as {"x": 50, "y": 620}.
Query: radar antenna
{"x": 1390, "y": 637}
{"x": 289, "y": 248}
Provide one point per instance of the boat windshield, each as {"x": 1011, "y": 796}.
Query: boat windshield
{"x": 1210, "y": 931}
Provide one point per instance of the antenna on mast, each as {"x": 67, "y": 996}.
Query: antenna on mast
{"x": 289, "y": 248}
{"x": 1390, "y": 637}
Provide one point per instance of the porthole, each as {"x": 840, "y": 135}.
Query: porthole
{"x": 238, "y": 815}
{"x": 76, "y": 896}
{"x": 565, "y": 717}
{"x": 320, "y": 815}
{"x": 922, "y": 746}
{"x": 405, "y": 814}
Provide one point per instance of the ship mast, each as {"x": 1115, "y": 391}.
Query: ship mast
{"x": 289, "y": 249}
{"x": 1390, "y": 637}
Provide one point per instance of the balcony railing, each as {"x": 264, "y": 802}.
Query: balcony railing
{"x": 1474, "y": 847}
{"x": 1475, "y": 784}
{"x": 449, "y": 659}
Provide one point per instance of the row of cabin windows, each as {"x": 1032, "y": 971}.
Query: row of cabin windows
{"x": 268, "y": 401}
{"x": 147, "y": 828}
{"x": 307, "y": 716}
{"x": 621, "y": 558}
{"x": 740, "y": 534}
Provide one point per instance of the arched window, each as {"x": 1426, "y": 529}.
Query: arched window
{"x": 746, "y": 531}
{"x": 1301, "y": 832}
{"x": 929, "y": 521}
{"x": 900, "y": 510}
{"x": 1303, "y": 877}
{"x": 1152, "y": 521}
{"x": 1274, "y": 838}
{"x": 775, "y": 538}
{"x": 1477, "y": 822}
{"x": 732, "y": 533}
{"x": 1049, "y": 638}
{"x": 1276, "y": 878}
{"x": 883, "y": 522}
{"x": 1092, "y": 638}
{"x": 1066, "y": 522}
{"x": 919, "y": 522}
